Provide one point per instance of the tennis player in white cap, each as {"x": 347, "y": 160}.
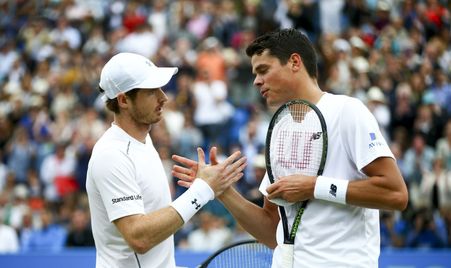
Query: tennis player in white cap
{"x": 133, "y": 216}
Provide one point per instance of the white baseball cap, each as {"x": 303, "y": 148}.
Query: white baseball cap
{"x": 127, "y": 71}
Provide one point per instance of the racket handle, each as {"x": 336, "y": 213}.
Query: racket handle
{"x": 287, "y": 254}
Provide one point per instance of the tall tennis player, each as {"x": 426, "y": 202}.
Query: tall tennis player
{"x": 340, "y": 223}
{"x": 133, "y": 218}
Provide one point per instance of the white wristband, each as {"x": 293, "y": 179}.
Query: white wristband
{"x": 331, "y": 189}
{"x": 193, "y": 199}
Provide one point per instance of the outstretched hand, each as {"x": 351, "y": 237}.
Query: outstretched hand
{"x": 219, "y": 176}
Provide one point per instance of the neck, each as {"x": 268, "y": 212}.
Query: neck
{"x": 132, "y": 128}
{"x": 310, "y": 91}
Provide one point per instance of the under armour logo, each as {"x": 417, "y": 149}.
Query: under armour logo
{"x": 316, "y": 136}
{"x": 194, "y": 202}
{"x": 333, "y": 190}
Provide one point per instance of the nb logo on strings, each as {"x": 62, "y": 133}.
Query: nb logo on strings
{"x": 194, "y": 202}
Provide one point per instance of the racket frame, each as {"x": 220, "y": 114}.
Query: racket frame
{"x": 289, "y": 238}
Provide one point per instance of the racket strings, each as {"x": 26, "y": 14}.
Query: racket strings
{"x": 297, "y": 142}
{"x": 247, "y": 255}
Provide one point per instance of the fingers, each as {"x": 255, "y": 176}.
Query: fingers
{"x": 201, "y": 156}
{"x": 182, "y": 176}
{"x": 271, "y": 188}
{"x": 213, "y": 156}
{"x": 183, "y": 170}
{"x": 231, "y": 158}
{"x": 274, "y": 193}
{"x": 236, "y": 167}
{"x": 184, "y": 184}
{"x": 234, "y": 177}
{"x": 183, "y": 160}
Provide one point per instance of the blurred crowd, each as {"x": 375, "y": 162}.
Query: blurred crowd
{"x": 394, "y": 55}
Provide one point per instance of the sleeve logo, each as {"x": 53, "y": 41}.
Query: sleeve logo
{"x": 374, "y": 142}
{"x": 127, "y": 198}
{"x": 194, "y": 202}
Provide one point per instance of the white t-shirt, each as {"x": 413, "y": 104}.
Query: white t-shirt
{"x": 126, "y": 177}
{"x": 331, "y": 234}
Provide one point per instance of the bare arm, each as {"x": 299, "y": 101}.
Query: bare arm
{"x": 383, "y": 189}
{"x": 260, "y": 222}
{"x": 143, "y": 232}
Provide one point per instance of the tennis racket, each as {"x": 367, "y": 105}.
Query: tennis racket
{"x": 245, "y": 254}
{"x": 296, "y": 143}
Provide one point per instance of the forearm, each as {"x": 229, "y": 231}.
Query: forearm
{"x": 383, "y": 189}
{"x": 260, "y": 222}
{"x": 375, "y": 193}
{"x": 143, "y": 232}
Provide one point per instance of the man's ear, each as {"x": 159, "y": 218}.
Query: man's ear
{"x": 295, "y": 61}
{"x": 122, "y": 100}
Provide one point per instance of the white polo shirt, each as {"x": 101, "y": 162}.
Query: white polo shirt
{"x": 126, "y": 177}
{"x": 331, "y": 234}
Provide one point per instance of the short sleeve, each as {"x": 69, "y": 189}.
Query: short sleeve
{"x": 113, "y": 173}
{"x": 361, "y": 135}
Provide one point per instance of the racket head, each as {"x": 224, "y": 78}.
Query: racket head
{"x": 296, "y": 143}
{"x": 245, "y": 254}
{"x": 296, "y": 140}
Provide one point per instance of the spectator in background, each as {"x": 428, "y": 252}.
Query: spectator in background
{"x": 211, "y": 234}
{"x": 210, "y": 58}
{"x": 435, "y": 187}
{"x": 417, "y": 161}
{"x": 190, "y": 139}
{"x": 443, "y": 147}
{"x": 142, "y": 40}
{"x": 402, "y": 108}
{"x": 377, "y": 104}
{"x": 9, "y": 240}
{"x": 21, "y": 151}
{"x": 50, "y": 237}
{"x": 392, "y": 230}
{"x": 80, "y": 234}
{"x": 19, "y": 206}
{"x": 426, "y": 231}
{"x": 212, "y": 110}
{"x": 252, "y": 192}
{"x": 3, "y": 171}
{"x": 58, "y": 173}
{"x": 428, "y": 123}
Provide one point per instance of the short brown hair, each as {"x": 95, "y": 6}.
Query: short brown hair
{"x": 112, "y": 104}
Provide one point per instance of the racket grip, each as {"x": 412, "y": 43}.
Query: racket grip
{"x": 287, "y": 255}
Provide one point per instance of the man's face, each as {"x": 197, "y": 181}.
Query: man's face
{"x": 273, "y": 80}
{"x": 147, "y": 107}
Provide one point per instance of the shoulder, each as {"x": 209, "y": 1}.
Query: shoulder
{"x": 350, "y": 106}
{"x": 341, "y": 105}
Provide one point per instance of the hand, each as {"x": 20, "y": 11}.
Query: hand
{"x": 219, "y": 176}
{"x": 189, "y": 173}
{"x": 293, "y": 188}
